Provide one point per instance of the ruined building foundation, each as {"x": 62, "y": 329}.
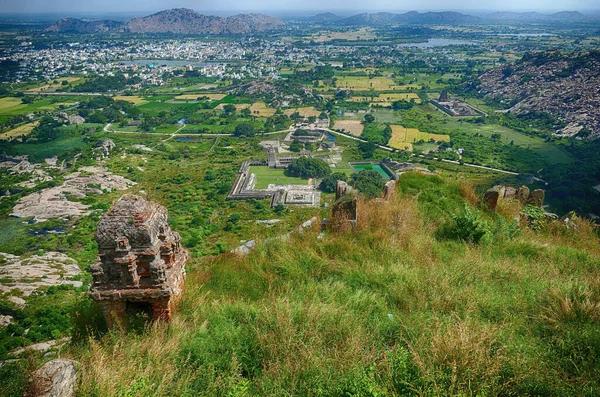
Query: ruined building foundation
{"x": 141, "y": 267}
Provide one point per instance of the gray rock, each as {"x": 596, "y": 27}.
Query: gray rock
{"x": 19, "y": 302}
{"x": 56, "y": 378}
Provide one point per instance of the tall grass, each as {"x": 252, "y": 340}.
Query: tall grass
{"x": 387, "y": 309}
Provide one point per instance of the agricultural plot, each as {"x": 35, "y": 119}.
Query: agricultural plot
{"x": 266, "y": 176}
{"x": 136, "y": 100}
{"x": 238, "y": 106}
{"x": 364, "y": 83}
{"x": 403, "y": 138}
{"x": 358, "y": 34}
{"x": 304, "y": 112}
{"x": 22, "y": 130}
{"x": 261, "y": 109}
{"x": 194, "y": 97}
{"x": 354, "y": 127}
{"x": 10, "y": 106}
{"x": 51, "y": 87}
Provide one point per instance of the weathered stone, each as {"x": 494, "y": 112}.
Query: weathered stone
{"x": 56, "y": 378}
{"x": 5, "y": 320}
{"x": 389, "y": 190}
{"x": 141, "y": 264}
{"x": 510, "y": 193}
{"x": 523, "y": 194}
{"x": 491, "y": 199}
{"x": 537, "y": 198}
{"x": 27, "y": 274}
{"x": 19, "y": 302}
{"x": 341, "y": 189}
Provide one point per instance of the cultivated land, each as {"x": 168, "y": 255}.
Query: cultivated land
{"x": 404, "y": 138}
{"x": 136, "y": 100}
{"x": 354, "y": 127}
{"x": 19, "y": 131}
{"x": 387, "y": 99}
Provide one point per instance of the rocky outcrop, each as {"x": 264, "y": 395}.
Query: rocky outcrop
{"x": 27, "y": 274}
{"x": 54, "y": 202}
{"x": 523, "y": 194}
{"x": 56, "y": 378}
{"x": 74, "y": 25}
{"x": 186, "y": 21}
{"x": 141, "y": 267}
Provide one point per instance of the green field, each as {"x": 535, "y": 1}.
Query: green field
{"x": 266, "y": 176}
{"x": 39, "y": 151}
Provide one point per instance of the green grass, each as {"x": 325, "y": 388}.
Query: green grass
{"x": 37, "y": 152}
{"x": 266, "y": 176}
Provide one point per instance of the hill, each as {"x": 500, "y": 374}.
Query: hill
{"x": 412, "y": 17}
{"x": 401, "y": 306}
{"x": 186, "y": 21}
{"x": 178, "y": 21}
{"x": 529, "y": 17}
{"x": 563, "y": 85}
{"x": 74, "y": 25}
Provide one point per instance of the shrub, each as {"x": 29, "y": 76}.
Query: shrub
{"x": 467, "y": 227}
{"x": 306, "y": 167}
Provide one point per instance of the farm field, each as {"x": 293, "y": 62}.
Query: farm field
{"x": 358, "y": 34}
{"x": 136, "y": 100}
{"x": 10, "y": 106}
{"x": 403, "y": 138}
{"x": 22, "y": 130}
{"x": 40, "y": 151}
{"x": 52, "y": 87}
{"x": 363, "y": 83}
{"x": 305, "y": 112}
{"x": 261, "y": 109}
{"x": 266, "y": 176}
{"x": 354, "y": 127}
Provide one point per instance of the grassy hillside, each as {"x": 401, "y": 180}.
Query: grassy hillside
{"x": 403, "y": 306}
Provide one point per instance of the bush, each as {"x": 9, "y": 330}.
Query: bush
{"x": 467, "y": 227}
{"x": 368, "y": 182}
{"x": 329, "y": 183}
{"x": 244, "y": 130}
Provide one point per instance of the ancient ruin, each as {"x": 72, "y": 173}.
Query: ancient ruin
{"x": 523, "y": 194}
{"x": 141, "y": 266}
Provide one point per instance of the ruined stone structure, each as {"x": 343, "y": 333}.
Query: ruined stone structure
{"x": 141, "y": 266}
{"x": 389, "y": 190}
{"x": 499, "y": 192}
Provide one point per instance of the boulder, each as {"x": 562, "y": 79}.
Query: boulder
{"x": 491, "y": 199}
{"x": 389, "y": 189}
{"x": 523, "y": 194}
{"x": 537, "y": 198}
{"x": 510, "y": 193}
{"x": 56, "y": 378}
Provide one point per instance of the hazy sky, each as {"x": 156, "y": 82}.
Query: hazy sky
{"x": 95, "y": 6}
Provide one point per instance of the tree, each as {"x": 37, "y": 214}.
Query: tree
{"x": 369, "y": 118}
{"x": 229, "y": 108}
{"x": 368, "y": 182}
{"x": 296, "y": 146}
{"x": 367, "y": 149}
{"x": 244, "y": 130}
{"x": 329, "y": 183}
{"x": 246, "y": 113}
{"x": 307, "y": 167}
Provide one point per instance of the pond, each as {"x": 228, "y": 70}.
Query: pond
{"x": 370, "y": 167}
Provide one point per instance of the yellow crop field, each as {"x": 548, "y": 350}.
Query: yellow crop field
{"x": 305, "y": 112}
{"x": 22, "y": 130}
{"x": 261, "y": 110}
{"x": 238, "y": 106}
{"x": 52, "y": 86}
{"x": 193, "y": 97}
{"x": 9, "y": 102}
{"x": 363, "y": 83}
{"x": 354, "y": 127}
{"x": 403, "y": 138}
{"x": 136, "y": 100}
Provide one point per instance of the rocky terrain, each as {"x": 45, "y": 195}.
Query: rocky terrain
{"x": 57, "y": 202}
{"x": 27, "y": 274}
{"x": 178, "y": 21}
{"x": 412, "y": 17}
{"x": 563, "y": 85}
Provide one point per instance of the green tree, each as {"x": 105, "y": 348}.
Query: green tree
{"x": 329, "y": 183}
{"x": 244, "y": 130}
{"x": 307, "y": 167}
{"x": 368, "y": 182}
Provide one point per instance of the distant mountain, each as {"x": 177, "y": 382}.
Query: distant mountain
{"x": 73, "y": 25}
{"x": 563, "y": 16}
{"x": 325, "y": 17}
{"x": 412, "y": 17}
{"x": 186, "y": 21}
{"x": 179, "y": 20}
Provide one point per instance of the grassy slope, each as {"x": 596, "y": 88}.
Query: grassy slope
{"x": 388, "y": 310}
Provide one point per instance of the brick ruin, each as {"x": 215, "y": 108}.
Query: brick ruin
{"x": 141, "y": 267}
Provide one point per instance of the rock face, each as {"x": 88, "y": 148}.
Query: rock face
{"x": 525, "y": 197}
{"x": 53, "y": 202}
{"x": 74, "y": 25}
{"x": 28, "y": 274}
{"x": 141, "y": 264}
{"x": 57, "y": 378}
{"x": 563, "y": 85}
{"x": 389, "y": 190}
{"x": 186, "y": 21}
